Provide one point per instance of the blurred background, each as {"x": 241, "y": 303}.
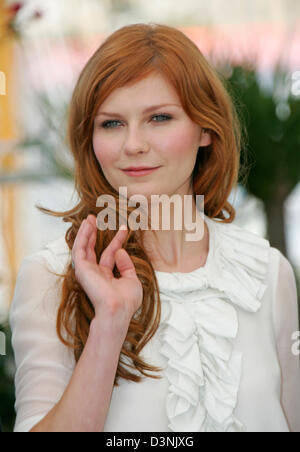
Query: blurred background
{"x": 255, "y": 46}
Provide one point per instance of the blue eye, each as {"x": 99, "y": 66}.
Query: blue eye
{"x": 162, "y": 116}
{"x": 107, "y": 124}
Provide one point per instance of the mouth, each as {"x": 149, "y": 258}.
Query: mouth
{"x": 139, "y": 172}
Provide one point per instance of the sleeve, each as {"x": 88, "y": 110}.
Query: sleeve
{"x": 287, "y": 328}
{"x": 44, "y": 365}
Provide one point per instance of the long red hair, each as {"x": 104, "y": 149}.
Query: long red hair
{"x": 126, "y": 56}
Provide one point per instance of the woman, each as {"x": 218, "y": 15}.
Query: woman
{"x": 145, "y": 330}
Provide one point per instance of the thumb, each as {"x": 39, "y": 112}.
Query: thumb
{"x": 124, "y": 263}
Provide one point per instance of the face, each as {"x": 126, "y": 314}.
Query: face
{"x": 127, "y": 133}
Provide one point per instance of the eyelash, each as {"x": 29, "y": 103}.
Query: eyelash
{"x": 105, "y": 123}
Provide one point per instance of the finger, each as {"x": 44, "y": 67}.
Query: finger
{"x": 124, "y": 263}
{"x": 82, "y": 240}
{"x": 108, "y": 255}
{"x": 91, "y": 254}
{"x": 92, "y": 220}
{"x": 76, "y": 241}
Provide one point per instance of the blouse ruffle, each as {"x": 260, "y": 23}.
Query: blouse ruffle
{"x": 199, "y": 323}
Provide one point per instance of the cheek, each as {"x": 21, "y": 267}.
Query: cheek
{"x": 103, "y": 150}
{"x": 181, "y": 143}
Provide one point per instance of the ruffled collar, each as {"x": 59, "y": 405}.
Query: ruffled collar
{"x": 236, "y": 264}
{"x": 199, "y": 323}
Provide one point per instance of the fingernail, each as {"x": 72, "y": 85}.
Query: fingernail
{"x": 123, "y": 227}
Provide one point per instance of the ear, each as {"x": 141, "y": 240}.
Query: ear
{"x": 205, "y": 139}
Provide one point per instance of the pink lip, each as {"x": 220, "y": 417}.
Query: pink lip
{"x": 138, "y": 173}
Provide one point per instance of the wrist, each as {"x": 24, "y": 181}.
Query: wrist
{"x": 103, "y": 328}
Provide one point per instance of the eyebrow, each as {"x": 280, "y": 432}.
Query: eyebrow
{"x": 147, "y": 110}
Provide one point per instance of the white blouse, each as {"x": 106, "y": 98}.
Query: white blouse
{"x": 224, "y": 343}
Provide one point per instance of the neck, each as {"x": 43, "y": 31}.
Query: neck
{"x": 178, "y": 249}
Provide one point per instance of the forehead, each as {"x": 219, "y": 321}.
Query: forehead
{"x": 151, "y": 90}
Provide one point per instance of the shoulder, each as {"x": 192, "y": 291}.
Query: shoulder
{"x": 55, "y": 255}
{"x": 255, "y": 269}
{"x": 252, "y": 245}
{"x": 238, "y": 263}
{"x": 238, "y": 234}
{"x": 281, "y": 270}
{"x": 285, "y": 267}
{"x": 241, "y": 249}
{"x": 38, "y": 283}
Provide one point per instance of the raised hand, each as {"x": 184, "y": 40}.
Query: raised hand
{"x": 111, "y": 297}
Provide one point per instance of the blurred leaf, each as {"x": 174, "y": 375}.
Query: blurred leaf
{"x": 272, "y": 121}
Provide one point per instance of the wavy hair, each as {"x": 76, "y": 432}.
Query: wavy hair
{"x": 127, "y": 56}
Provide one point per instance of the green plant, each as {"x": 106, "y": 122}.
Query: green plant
{"x": 272, "y": 120}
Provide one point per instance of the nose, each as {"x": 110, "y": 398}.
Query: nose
{"x": 135, "y": 142}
